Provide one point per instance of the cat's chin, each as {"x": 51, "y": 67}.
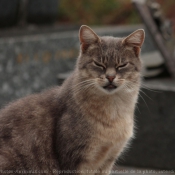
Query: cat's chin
{"x": 109, "y": 89}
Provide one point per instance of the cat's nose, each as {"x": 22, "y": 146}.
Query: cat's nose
{"x": 110, "y": 78}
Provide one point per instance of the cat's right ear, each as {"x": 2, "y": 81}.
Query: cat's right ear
{"x": 87, "y": 37}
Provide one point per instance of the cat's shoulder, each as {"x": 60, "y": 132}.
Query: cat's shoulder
{"x": 35, "y": 102}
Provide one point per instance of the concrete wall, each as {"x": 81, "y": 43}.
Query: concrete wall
{"x": 154, "y": 143}
{"x": 31, "y": 63}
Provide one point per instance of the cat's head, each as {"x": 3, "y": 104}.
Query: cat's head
{"x": 108, "y": 63}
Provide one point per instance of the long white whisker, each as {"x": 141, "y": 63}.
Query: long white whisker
{"x": 83, "y": 87}
{"x": 144, "y": 102}
{"x": 82, "y": 82}
{"x": 146, "y": 95}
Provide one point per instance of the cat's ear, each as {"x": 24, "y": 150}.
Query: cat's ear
{"x": 135, "y": 40}
{"x": 87, "y": 37}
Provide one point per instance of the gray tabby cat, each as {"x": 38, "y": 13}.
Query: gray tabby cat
{"x": 84, "y": 125}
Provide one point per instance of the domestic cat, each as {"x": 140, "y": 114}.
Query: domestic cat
{"x": 82, "y": 126}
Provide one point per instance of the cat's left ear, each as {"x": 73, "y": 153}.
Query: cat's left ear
{"x": 87, "y": 37}
{"x": 135, "y": 40}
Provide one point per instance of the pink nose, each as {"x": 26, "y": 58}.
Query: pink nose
{"x": 110, "y": 78}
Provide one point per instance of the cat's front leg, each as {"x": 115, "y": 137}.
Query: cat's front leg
{"x": 107, "y": 167}
{"x": 87, "y": 169}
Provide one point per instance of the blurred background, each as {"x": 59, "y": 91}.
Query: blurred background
{"x": 39, "y": 46}
{"x": 76, "y": 12}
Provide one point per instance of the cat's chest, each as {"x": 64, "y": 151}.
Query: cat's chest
{"x": 113, "y": 123}
{"x": 118, "y": 130}
{"x": 108, "y": 142}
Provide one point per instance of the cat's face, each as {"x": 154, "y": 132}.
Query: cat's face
{"x": 110, "y": 64}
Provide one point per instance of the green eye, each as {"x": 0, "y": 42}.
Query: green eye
{"x": 99, "y": 65}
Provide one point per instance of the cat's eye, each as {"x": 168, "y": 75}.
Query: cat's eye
{"x": 99, "y": 65}
{"x": 122, "y": 66}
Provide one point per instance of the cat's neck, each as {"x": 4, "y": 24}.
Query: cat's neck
{"x": 95, "y": 103}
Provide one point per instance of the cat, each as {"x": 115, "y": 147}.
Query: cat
{"x": 82, "y": 126}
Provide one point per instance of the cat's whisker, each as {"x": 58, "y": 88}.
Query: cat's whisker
{"x": 80, "y": 86}
{"x": 144, "y": 101}
{"x": 82, "y": 82}
{"x": 127, "y": 85}
{"x": 121, "y": 80}
{"x": 83, "y": 87}
{"x": 130, "y": 85}
{"x": 137, "y": 107}
{"x": 146, "y": 95}
{"x": 147, "y": 88}
{"x": 144, "y": 86}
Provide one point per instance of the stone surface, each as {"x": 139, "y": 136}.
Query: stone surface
{"x": 31, "y": 63}
{"x": 128, "y": 170}
{"x": 28, "y": 66}
{"x": 155, "y": 117}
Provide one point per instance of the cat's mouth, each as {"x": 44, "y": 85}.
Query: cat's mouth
{"x": 110, "y": 87}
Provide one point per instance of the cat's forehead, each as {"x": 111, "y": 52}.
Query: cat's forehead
{"x": 109, "y": 42}
{"x": 111, "y": 47}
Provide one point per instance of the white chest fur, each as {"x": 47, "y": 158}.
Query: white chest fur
{"x": 108, "y": 142}
{"x": 113, "y": 125}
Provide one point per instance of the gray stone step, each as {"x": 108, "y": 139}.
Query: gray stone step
{"x": 124, "y": 170}
{"x": 155, "y": 132}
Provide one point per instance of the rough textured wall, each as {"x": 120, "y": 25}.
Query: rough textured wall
{"x": 31, "y": 63}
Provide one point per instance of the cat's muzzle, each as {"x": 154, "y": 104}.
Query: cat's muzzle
{"x": 110, "y": 87}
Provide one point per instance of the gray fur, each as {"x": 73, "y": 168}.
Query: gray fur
{"x": 80, "y": 126}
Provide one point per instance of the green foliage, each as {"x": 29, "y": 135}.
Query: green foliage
{"x": 97, "y": 12}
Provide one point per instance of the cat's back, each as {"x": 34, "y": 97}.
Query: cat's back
{"x": 29, "y": 109}
{"x": 27, "y": 130}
